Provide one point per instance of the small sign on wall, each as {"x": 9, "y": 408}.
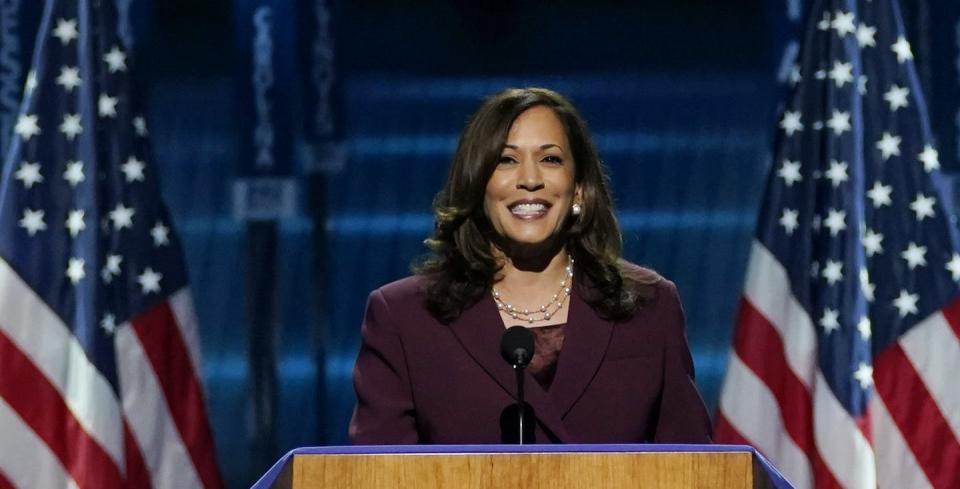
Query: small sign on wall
{"x": 265, "y": 198}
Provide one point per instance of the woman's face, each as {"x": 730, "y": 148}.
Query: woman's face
{"x": 532, "y": 188}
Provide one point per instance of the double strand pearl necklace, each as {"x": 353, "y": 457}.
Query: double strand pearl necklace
{"x": 545, "y": 311}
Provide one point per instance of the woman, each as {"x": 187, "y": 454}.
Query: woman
{"x": 525, "y": 234}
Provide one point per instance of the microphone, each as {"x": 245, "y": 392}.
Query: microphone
{"x": 516, "y": 346}
{"x": 517, "y": 420}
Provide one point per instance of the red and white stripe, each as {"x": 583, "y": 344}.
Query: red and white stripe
{"x": 775, "y": 398}
{"x": 64, "y": 426}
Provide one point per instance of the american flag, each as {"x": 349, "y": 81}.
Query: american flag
{"x": 847, "y": 335}
{"x": 99, "y": 360}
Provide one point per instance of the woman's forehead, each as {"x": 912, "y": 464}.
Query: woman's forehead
{"x": 537, "y": 126}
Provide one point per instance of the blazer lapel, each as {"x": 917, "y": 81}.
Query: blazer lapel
{"x": 586, "y": 339}
{"x": 479, "y": 329}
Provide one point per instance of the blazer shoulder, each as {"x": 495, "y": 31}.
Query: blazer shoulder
{"x": 404, "y": 290}
{"x": 667, "y": 290}
{"x": 651, "y": 287}
{"x": 655, "y": 293}
{"x": 668, "y": 309}
{"x": 666, "y": 296}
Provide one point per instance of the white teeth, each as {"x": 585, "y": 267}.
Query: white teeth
{"x": 528, "y": 208}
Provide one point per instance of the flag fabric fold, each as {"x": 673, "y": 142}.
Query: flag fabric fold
{"x": 848, "y": 329}
{"x": 99, "y": 357}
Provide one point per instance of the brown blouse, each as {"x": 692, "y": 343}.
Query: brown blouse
{"x": 548, "y": 340}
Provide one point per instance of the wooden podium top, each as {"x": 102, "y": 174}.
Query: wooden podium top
{"x": 527, "y": 466}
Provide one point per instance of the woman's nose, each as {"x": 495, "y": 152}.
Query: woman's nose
{"x": 529, "y": 177}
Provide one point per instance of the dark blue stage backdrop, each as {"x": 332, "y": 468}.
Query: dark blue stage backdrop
{"x": 301, "y": 142}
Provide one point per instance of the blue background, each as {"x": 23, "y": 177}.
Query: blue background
{"x": 681, "y": 97}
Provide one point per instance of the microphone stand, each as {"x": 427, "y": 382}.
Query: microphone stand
{"x": 517, "y": 347}
{"x": 521, "y": 405}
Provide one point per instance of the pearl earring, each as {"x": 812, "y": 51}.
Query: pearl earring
{"x": 576, "y": 209}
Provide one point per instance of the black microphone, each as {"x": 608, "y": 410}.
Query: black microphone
{"x": 516, "y": 346}
{"x": 517, "y": 421}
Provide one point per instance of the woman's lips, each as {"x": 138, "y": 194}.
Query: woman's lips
{"x": 529, "y": 209}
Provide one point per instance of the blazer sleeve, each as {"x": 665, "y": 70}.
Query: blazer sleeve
{"x": 682, "y": 416}
{"x": 384, "y": 413}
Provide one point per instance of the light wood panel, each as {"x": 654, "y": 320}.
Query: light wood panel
{"x": 525, "y": 471}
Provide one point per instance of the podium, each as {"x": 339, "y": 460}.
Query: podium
{"x": 523, "y": 467}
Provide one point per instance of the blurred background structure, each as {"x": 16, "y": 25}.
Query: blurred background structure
{"x": 301, "y": 143}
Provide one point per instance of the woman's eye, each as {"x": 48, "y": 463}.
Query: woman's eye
{"x": 553, "y": 159}
{"x": 505, "y": 160}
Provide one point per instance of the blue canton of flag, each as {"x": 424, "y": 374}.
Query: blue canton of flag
{"x": 854, "y": 207}
{"x": 848, "y": 328}
{"x": 96, "y": 324}
{"x": 81, "y": 219}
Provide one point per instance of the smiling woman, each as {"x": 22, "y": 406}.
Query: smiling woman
{"x": 525, "y": 234}
{"x": 532, "y": 187}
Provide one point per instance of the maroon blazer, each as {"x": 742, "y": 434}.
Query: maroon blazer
{"x": 420, "y": 381}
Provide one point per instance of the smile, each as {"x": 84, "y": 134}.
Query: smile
{"x": 529, "y": 209}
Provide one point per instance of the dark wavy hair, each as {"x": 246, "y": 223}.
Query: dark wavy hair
{"x": 462, "y": 266}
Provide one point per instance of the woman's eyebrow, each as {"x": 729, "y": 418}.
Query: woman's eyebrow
{"x": 542, "y": 146}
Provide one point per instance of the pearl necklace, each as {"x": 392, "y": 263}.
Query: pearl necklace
{"x": 545, "y": 311}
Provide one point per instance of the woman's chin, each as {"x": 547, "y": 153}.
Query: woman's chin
{"x": 530, "y": 241}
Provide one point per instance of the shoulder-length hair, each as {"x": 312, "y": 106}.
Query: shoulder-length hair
{"x": 462, "y": 266}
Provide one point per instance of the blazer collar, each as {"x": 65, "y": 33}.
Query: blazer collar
{"x": 586, "y": 338}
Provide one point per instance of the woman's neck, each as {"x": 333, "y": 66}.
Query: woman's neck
{"x": 527, "y": 287}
